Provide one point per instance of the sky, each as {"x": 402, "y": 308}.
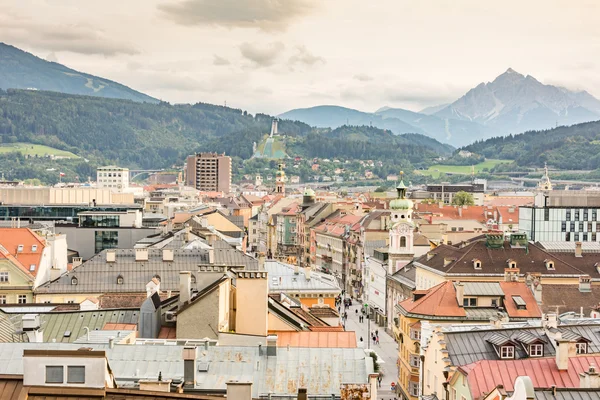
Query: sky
{"x": 274, "y": 55}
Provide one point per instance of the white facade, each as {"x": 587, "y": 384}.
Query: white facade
{"x": 114, "y": 178}
{"x": 375, "y": 284}
{"x": 559, "y": 224}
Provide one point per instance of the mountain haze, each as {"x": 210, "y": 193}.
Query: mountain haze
{"x": 514, "y": 103}
{"x": 22, "y": 70}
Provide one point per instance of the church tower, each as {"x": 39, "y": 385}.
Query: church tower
{"x": 400, "y": 251}
{"x": 544, "y": 184}
{"x": 280, "y": 181}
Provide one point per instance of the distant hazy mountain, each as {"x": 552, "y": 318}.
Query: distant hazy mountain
{"x": 335, "y": 116}
{"x": 514, "y": 103}
{"x": 433, "y": 109}
{"x": 22, "y": 70}
{"x": 397, "y": 120}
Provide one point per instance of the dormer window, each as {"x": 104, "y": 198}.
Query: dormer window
{"x": 54, "y": 374}
{"x": 74, "y": 281}
{"x": 549, "y": 265}
{"x": 119, "y": 280}
{"x": 34, "y": 248}
{"x": 507, "y": 352}
{"x": 477, "y": 264}
{"x": 512, "y": 264}
{"x": 536, "y": 350}
{"x": 581, "y": 348}
{"x": 20, "y": 248}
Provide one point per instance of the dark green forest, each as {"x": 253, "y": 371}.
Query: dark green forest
{"x": 150, "y": 136}
{"x": 566, "y": 147}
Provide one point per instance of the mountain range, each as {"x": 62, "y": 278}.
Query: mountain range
{"x": 510, "y": 104}
{"x": 22, "y": 70}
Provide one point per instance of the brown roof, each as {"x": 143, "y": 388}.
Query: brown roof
{"x": 566, "y": 298}
{"x": 511, "y": 289}
{"x": 308, "y": 317}
{"x": 317, "y": 339}
{"x": 167, "y": 332}
{"x": 133, "y": 300}
{"x": 324, "y": 312}
{"x": 338, "y": 328}
{"x": 440, "y": 300}
{"x": 111, "y": 326}
{"x": 494, "y": 260}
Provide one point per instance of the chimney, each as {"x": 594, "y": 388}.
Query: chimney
{"x": 237, "y": 390}
{"x": 460, "y": 293}
{"x": 31, "y": 327}
{"x": 141, "y": 254}
{"x": 211, "y": 255}
{"x": 167, "y": 255}
{"x": 204, "y": 222}
{"x": 585, "y": 284}
{"x": 590, "y": 379}
{"x": 296, "y": 269}
{"x": 550, "y": 321}
{"x": 565, "y": 349}
{"x": 188, "y": 233}
{"x": 77, "y": 261}
{"x": 155, "y": 385}
{"x": 302, "y": 394}
{"x": 185, "y": 286}
{"x": 271, "y": 345}
{"x": 190, "y": 354}
{"x": 307, "y": 271}
{"x": 373, "y": 383}
{"x": 54, "y": 273}
{"x": 261, "y": 261}
{"x": 578, "y": 249}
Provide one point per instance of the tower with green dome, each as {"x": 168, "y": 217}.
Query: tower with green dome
{"x": 400, "y": 251}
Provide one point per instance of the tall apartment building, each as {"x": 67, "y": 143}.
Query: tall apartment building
{"x": 209, "y": 172}
{"x": 111, "y": 177}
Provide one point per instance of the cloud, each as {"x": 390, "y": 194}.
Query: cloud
{"x": 262, "y": 56}
{"x": 220, "y": 61}
{"x": 76, "y": 38}
{"x": 263, "y": 14}
{"x": 363, "y": 77}
{"x": 304, "y": 57}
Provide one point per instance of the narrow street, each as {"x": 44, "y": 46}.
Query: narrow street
{"x": 387, "y": 349}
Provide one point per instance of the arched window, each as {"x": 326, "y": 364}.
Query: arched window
{"x": 193, "y": 279}
{"x": 403, "y": 241}
{"x": 74, "y": 281}
{"x": 119, "y": 280}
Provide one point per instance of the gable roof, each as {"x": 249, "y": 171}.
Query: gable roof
{"x": 439, "y": 301}
{"x": 12, "y": 238}
{"x": 483, "y": 376}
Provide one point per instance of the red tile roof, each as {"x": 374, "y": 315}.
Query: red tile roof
{"x": 167, "y": 333}
{"x": 11, "y": 238}
{"x": 338, "y": 328}
{"x": 483, "y": 376}
{"x": 509, "y": 201}
{"x": 111, "y": 326}
{"x": 440, "y": 300}
{"x": 337, "y": 226}
{"x": 511, "y": 289}
{"x": 317, "y": 339}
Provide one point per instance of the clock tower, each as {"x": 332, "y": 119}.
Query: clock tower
{"x": 400, "y": 251}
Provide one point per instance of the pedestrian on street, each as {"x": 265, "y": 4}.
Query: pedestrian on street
{"x": 376, "y": 333}
{"x": 356, "y": 311}
{"x": 361, "y": 339}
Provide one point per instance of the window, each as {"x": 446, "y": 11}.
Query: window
{"x": 470, "y": 302}
{"x": 477, "y": 264}
{"x": 34, "y": 248}
{"x": 494, "y": 303}
{"x": 581, "y": 227}
{"x": 593, "y": 237}
{"x": 581, "y": 348}
{"x": 546, "y": 214}
{"x": 576, "y": 236}
{"x": 106, "y": 240}
{"x": 74, "y": 281}
{"x": 119, "y": 280}
{"x": 572, "y": 226}
{"x": 20, "y": 248}
{"x": 536, "y": 350}
{"x": 589, "y": 227}
{"x": 54, "y": 374}
{"x": 585, "y": 237}
{"x": 76, "y": 374}
{"x": 507, "y": 352}
{"x": 403, "y": 241}
{"x": 550, "y": 265}
{"x": 568, "y": 215}
{"x": 594, "y": 215}
{"x": 576, "y": 215}
{"x": 568, "y": 237}
{"x": 4, "y": 276}
{"x": 415, "y": 334}
{"x": 563, "y": 226}
{"x": 585, "y": 214}
{"x": 2, "y": 299}
{"x": 193, "y": 279}
{"x": 413, "y": 388}
{"x": 32, "y": 267}
{"x": 414, "y": 360}
{"x": 453, "y": 394}
{"x": 22, "y": 299}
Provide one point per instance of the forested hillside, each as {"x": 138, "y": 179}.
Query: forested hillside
{"x": 565, "y": 147}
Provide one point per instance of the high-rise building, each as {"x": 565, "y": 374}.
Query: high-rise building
{"x": 111, "y": 177}
{"x": 209, "y": 172}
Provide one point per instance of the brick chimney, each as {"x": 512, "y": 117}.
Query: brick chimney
{"x": 185, "y": 286}
{"x": 590, "y": 379}
{"x": 565, "y": 349}
{"x": 578, "y": 249}
{"x": 460, "y": 293}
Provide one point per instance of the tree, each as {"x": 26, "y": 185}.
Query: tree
{"x": 463, "y": 199}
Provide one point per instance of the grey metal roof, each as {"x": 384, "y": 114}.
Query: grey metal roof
{"x": 568, "y": 394}
{"x": 372, "y": 245}
{"x": 8, "y": 329}
{"x": 102, "y": 336}
{"x": 283, "y": 278}
{"x": 98, "y": 276}
{"x": 569, "y": 247}
{"x": 483, "y": 289}
{"x": 497, "y": 339}
{"x": 55, "y": 325}
{"x": 465, "y": 347}
{"x": 320, "y": 370}
{"x": 527, "y": 337}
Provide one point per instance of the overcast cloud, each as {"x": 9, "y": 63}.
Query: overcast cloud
{"x": 274, "y": 55}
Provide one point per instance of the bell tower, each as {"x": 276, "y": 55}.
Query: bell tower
{"x": 280, "y": 181}
{"x": 400, "y": 250}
